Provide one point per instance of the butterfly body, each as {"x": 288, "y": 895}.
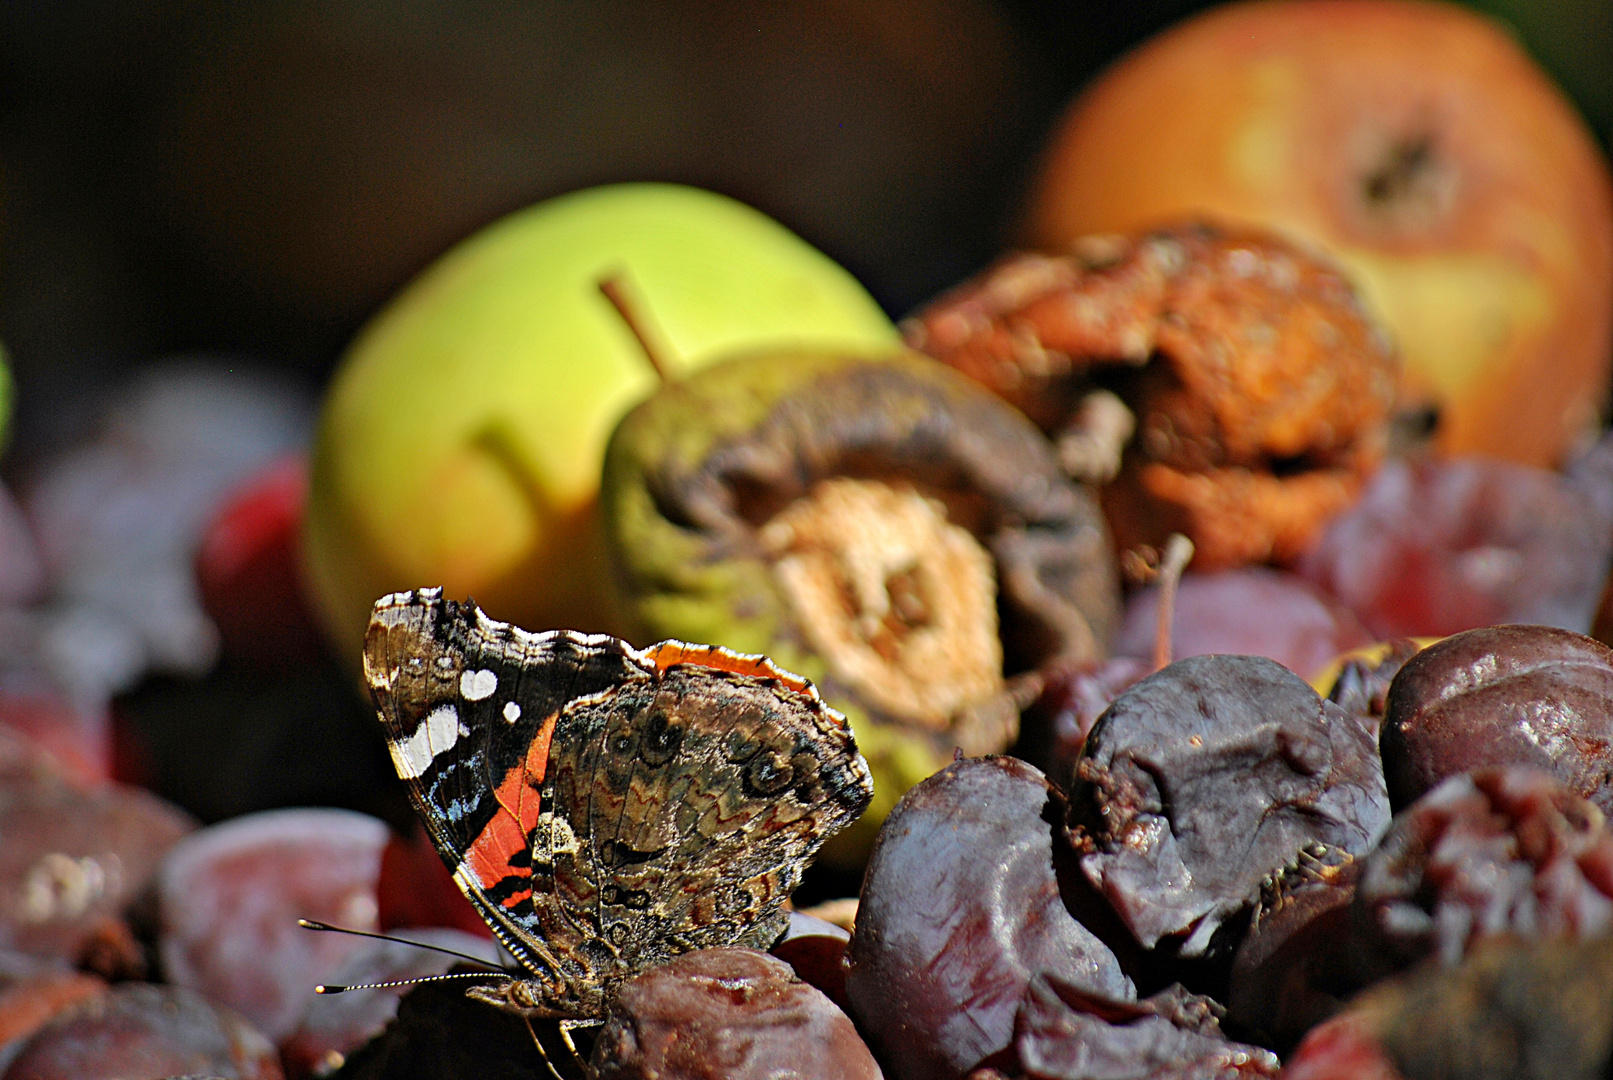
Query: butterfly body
{"x": 606, "y": 808}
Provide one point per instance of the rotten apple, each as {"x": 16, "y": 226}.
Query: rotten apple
{"x": 881, "y": 524}
{"x": 1421, "y": 146}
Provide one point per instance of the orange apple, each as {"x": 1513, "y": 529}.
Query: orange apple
{"x": 1414, "y": 140}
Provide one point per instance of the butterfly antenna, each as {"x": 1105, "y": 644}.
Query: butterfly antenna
{"x": 338, "y": 988}
{"x": 315, "y": 924}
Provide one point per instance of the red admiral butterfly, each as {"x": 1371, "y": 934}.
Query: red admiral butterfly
{"x": 604, "y": 808}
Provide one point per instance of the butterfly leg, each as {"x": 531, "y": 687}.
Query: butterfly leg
{"x": 562, "y": 1058}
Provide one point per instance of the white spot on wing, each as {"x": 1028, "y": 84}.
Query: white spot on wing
{"x": 476, "y": 685}
{"x": 512, "y": 711}
{"x": 436, "y": 734}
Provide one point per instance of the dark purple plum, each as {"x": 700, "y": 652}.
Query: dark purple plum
{"x": 964, "y": 902}
{"x": 1502, "y": 695}
{"x": 1065, "y": 1033}
{"x": 1203, "y": 778}
{"x": 727, "y": 1014}
{"x": 1497, "y": 851}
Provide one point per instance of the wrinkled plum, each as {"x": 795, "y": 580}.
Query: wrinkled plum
{"x": 963, "y": 902}
{"x": 816, "y": 950}
{"x": 1292, "y": 969}
{"x": 1434, "y": 547}
{"x": 1207, "y": 776}
{"x": 1255, "y": 611}
{"x": 1056, "y": 726}
{"x": 417, "y": 889}
{"x": 333, "y": 1026}
{"x": 1498, "y": 851}
{"x": 1361, "y": 687}
{"x": 141, "y": 1030}
{"x": 1065, "y": 1033}
{"x": 726, "y": 1014}
{"x": 230, "y": 897}
{"x": 72, "y": 860}
{"x": 1502, "y": 695}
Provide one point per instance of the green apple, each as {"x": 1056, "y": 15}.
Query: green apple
{"x": 461, "y": 439}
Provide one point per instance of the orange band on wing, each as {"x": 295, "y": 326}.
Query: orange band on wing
{"x": 520, "y": 804}
{"x": 668, "y": 653}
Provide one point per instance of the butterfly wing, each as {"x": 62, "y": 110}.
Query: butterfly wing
{"x": 470, "y": 707}
{"x": 607, "y": 809}
{"x": 711, "y": 793}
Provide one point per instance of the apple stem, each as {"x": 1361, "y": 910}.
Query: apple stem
{"x": 616, "y": 290}
{"x": 1178, "y": 553}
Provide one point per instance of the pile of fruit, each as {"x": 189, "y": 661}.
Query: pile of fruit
{"x": 1215, "y": 587}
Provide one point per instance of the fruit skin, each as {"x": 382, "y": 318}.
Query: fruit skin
{"x": 461, "y": 440}
{"x": 1489, "y": 251}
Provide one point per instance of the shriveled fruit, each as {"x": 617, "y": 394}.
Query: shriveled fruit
{"x": 30, "y": 995}
{"x": 884, "y": 526}
{"x": 726, "y": 1014}
{"x": 1066, "y": 1033}
{"x": 1358, "y": 680}
{"x": 966, "y": 898}
{"x": 139, "y": 1029}
{"x": 1489, "y": 853}
{"x": 230, "y": 896}
{"x": 1057, "y": 725}
{"x": 1436, "y": 546}
{"x": 1502, "y": 695}
{"x": 1292, "y": 970}
{"x": 1261, "y": 387}
{"x": 73, "y": 860}
{"x": 1205, "y": 777}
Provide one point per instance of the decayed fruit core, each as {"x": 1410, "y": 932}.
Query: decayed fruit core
{"x": 899, "y": 601}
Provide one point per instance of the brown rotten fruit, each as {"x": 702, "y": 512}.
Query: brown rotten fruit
{"x": 883, "y": 526}
{"x": 1260, "y": 387}
{"x": 1415, "y": 141}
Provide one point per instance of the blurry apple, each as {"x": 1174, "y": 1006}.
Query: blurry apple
{"x": 461, "y": 440}
{"x": 1418, "y": 143}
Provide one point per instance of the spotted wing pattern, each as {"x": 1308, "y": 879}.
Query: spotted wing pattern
{"x": 606, "y": 808}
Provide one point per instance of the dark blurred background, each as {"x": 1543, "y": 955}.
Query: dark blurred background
{"x": 255, "y": 179}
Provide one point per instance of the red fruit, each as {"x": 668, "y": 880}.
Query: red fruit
{"x": 1437, "y": 547}
{"x": 78, "y": 740}
{"x": 139, "y": 1030}
{"x": 71, "y": 861}
{"x": 1343, "y": 1048}
{"x": 248, "y": 568}
{"x": 230, "y": 896}
{"x": 334, "y": 1025}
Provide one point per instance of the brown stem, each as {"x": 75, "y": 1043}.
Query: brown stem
{"x": 1178, "y": 553}
{"x": 616, "y": 289}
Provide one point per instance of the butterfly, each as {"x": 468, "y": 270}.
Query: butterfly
{"x": 606, "y": 808}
